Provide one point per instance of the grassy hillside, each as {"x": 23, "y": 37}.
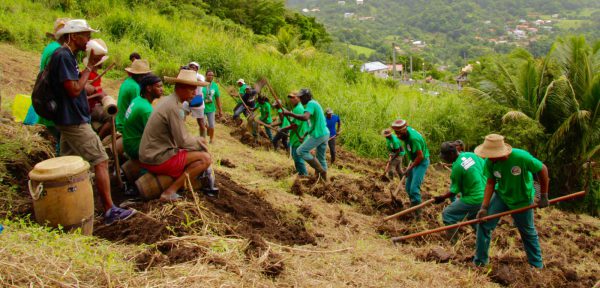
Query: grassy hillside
{"x": 366, "y": 105}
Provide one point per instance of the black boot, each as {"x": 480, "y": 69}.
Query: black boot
{"x": 208, "y": 183}
{"x": 318, "y": 168}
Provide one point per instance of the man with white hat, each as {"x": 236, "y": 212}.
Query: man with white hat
{"x": 130, "y": 89}
{"x": 168, "y": 149}
{"x": 239, "y": 107}
{"x": 196, "y": 105}
{"x": 510, "y": 173}
{"x": 416, "y": 147}
{"x": 466, "y": 179}
{"x": 73, "y": 116}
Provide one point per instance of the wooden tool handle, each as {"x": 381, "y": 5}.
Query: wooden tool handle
{"x": 411, "y": 209}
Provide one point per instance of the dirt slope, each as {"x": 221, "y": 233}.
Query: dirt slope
{"x": 270, "y": 229}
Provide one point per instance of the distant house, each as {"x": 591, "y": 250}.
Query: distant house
{"x": 305, "y": 10}
{"x": 341, "y": 2}
{"x": 522, "y": 21}
{"x": 399, "y": 68}
{"x": 360, "y": 2}
{"x": 376, "y": 68}
{"x": 518, "y": 34}
{"x": 522, "y": 27}
{"x": 348, "y": 14}
{"x": 539, "y": 22}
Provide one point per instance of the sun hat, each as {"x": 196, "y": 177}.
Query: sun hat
{"x": 399, "y": 124}
{"x": 241, "y": 81}
{"x": 386, "y": 132}
{"x": 99, "y": 48}
{"x": 74, "y": 26}
{"x": 493, "y": 147}
{"x": 58, "y": 24}
{"x": 187, "y": 77}
{"x": 195, "y": 64}
{"x": 139, "y": 67}
{"x": 329, "y": 110}
{"x": 293, "y": 94}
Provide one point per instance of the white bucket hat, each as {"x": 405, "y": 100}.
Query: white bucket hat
{"x": 75, "y": 26}
{"x": 99, "y": 48}
{"x": 241, "y": 81}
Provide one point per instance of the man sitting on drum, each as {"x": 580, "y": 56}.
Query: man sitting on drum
{"x": 167, "y": 148}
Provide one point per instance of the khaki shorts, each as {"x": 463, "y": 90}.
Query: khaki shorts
{"x": 81, "y": 140}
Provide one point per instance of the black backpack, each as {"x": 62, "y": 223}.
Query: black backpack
{"x": 43, "y": 97}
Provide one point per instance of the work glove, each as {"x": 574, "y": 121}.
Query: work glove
{"x": 543, "y": 200}
{"x": 439, "y": 199}
{"x": 482, "y": 212}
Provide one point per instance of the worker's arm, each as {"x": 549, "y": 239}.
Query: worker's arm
{"x": 441, "y": 198}
{"x": 301, "y": 117}
{"x": 339, "y": 127}
{"x": 544, "y": 186}
{"x": 219, "y": 109}
{"x": 487, "y": 196}
{"x": 74, "y": 87}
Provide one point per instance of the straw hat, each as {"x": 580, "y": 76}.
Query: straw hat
{"x": 99, "y": 48}
{"x": 329, "y": 111}
{"x": 140, "y": 67}
{"x": 399, "y": 124}
{"x": 74, "y": 26}
{"x": 194, "y": 64}
{"x": 187, "y": 77}
{"x": 386, "y": 132}
{"x": 58, "y": 24}
{"x": 493, "y": 147}
{"x": 241, "y": 81}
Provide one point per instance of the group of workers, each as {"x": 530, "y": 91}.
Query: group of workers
{"x": 495, "y": 178}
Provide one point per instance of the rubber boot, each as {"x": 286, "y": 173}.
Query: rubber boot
{"x": 208, "y": 183}
{"x": 318, "y": 168}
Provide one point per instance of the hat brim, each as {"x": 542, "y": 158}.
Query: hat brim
{"x": 128, "y": 69}
{"x": 482, "y": 152}
{"x": 174, "y": 80}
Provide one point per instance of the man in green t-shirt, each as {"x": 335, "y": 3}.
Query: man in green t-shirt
{"x": 282, "y": 122}
{"x": 395, "y": 153}
{"x": 318, "y": 134}
{"x": 416, "y": 147}
{"x": 296, "y": 129}
{"x": 467, "y": 180}
{"x": 211, "y": 96}
{"x": 130, "y": 89}
{"x": 265, "y": 119}
{"x": 138, "y": 113}
{"x": 510, "y": 173}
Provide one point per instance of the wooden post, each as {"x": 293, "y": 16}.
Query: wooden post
{"x": 489, "y": 217}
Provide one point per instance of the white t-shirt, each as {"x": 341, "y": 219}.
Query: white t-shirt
{"x": 199, "y": 77}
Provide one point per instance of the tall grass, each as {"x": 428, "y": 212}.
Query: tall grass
{"x": 365, "y": 106}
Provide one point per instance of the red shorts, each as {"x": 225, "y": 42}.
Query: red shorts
{"x": 173, "y": 167}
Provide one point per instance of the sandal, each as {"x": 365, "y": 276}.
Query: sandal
{"x": 171, "y": 198}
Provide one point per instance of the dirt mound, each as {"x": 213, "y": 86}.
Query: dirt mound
{"x": 271, "y": 263}
{"x": 248, "y": 214}
{"x": 227, "y": 163}
{"x": 140, "y": 228}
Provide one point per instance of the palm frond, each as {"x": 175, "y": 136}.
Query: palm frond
{"x": 560, "y": 135}
{"x": 514, "y": 116}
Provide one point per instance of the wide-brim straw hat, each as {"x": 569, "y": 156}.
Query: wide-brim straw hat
{"x": 187, "y": 77}
{"x": 99, "y": 48}
{"x": 140, "y": 67}
{"x": 493, "y": 147}
{"x": 58, "y": 24}
{"x": 386, "y": 132}
{"x": 399, "y": 124}
{"x": 74, "y": 26}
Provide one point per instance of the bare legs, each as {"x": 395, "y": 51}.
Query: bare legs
{"x": 195, "y": 163}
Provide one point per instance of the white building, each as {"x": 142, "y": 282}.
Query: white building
{"x": 376, "y": 68}
{"x": 360, "y": 2}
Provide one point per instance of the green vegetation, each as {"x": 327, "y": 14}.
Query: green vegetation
{"x": 362, "y": 50}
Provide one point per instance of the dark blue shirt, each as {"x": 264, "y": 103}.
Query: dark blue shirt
{"x": 331, "y": 124}
{"x": 71, "y": 111}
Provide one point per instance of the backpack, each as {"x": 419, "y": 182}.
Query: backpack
{"x": 43, "y": 97}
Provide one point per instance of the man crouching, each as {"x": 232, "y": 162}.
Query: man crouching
{"x": 167, "y": 148}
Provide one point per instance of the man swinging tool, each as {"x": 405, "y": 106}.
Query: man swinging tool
{"x": 467, "y": 179}
{"x": 511, "y": 171}
{"x": 396, "y": 152}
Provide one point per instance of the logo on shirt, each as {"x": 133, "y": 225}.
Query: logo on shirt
{"x": 497, "y": 174}
{"x": 515, "y": 170}
{"x": 467, "y": 162}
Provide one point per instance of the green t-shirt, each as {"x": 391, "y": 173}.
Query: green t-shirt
{"x": 284, "y": 120}
{"x": 265, "y": 112}
{"x": 129, "y": 90}
{"x": 394, "y": 144}
{"x": 302, "y": 126}
{"x": 136, "y": 118}
{"x": 514, "y": 177}
{"x": 242, "y": 91}
{"x": 210, "y": 106}
{"x": 318, "y": 125}
{"x": 415, "y": 143}
{"x": 46, "y": 56}
{"x": 467, "y": 178}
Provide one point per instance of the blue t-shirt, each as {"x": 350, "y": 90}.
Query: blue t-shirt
{"x": 71, "y": 111}
{"x": 331, "y": 124}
